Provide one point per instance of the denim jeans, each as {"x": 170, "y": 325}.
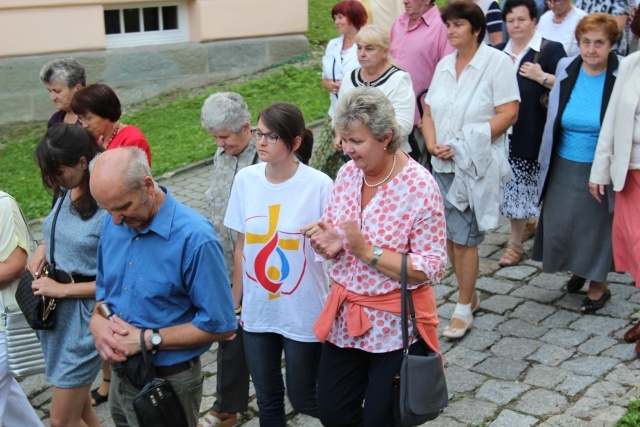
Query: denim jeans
{"x": 302, "y": 360}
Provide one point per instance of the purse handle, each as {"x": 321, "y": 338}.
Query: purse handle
{"x": 406, "y": 305}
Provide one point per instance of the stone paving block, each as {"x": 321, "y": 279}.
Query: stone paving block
{"x": 461, "y": 380}
{"x": 446, "y": 310}
{"x": 531, "y": 311}
{"x": 497, "y": 239}
{"x": 519, "y": 272}
{"x": 541, "y": 402}
{"x": 551, "y": 355}
{"x": 590, "y": 365}
{"x": 302, "y": 420}
{"x": 596, "y": 345}
{"x": 545, "y": 376}
{"x": 532, "y": 263}
{"x": 622, "y": 291}
{"x": 487, "y": 266}
{"x": 554, "y": 282}
{"x": 571, "y": 302}
{"x": 619, "y": 278}
{"x": 500, "y": 303}
{"x": 575, "y": 384}
{"x": 485, "y": 251}
{"x": 600, "y": 325}
{"x": 500, "y": 367}
{"x": 479, "y": 340}
{"x": 501, "y": 392}
{"x": 520, "y": 328}
{"x": 442, "y": 291}
{"x": 488, "y": 321}
{"x": 33, "y": 385}
{"x": 624, "y": 375}
{"x": 632, "y": 394}
{"x": 445, "y": 345}
{"x": 538, "y": 294}
{"x": 561, "y": 319}
{"x": 607, "y": 416}
{"x": 622, "y": 351}
{"x": 509, "y": 418}
{"x": 565, "y": 337}
{"x": 564, "y": 421}
{"x": 443, "y": 421}
{"x": 463, "y": 357}
{"x": 515, "y": 348}
{"x": 495, "y": 286}
{"x": 471, "y": 411}
{"x": 617, "y": 307}
{"x": 607, "y": 390}
{"x": 42, "y": 398}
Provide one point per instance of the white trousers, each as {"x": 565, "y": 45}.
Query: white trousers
{"x": 15, "y": 409}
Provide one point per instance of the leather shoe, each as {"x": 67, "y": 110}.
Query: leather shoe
{"x": 633, "y": 334}
{"x": 457, "y": 333}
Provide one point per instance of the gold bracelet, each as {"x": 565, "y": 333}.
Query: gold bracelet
{"x": 238, "y": 309}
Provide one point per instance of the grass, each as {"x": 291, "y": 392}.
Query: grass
{"x": 172, "y": 123}
{"x": 631, "y": 418}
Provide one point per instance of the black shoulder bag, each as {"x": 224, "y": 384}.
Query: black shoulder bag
{"x": 157, "y": 404}
{"x": 421, "y": 387}
{"x": 40, "y": 310}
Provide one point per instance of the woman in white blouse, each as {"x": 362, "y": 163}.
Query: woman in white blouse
{"x": 339, "y": 60}
{"x": 559, "y": 23}
{"x": 472, "y": 102}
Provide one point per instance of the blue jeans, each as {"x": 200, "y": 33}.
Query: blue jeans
{"x": 302, "y": 360}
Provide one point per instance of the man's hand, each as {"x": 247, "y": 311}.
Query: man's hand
{"x": 105, "y": 336}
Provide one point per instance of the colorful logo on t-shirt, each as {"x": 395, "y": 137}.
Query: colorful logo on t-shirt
{"x": 279, "y": 264}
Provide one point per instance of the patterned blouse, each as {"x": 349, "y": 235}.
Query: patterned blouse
{"x": 407, "y": 216}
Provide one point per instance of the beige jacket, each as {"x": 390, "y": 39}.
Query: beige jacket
{"x": 613, "y": 153}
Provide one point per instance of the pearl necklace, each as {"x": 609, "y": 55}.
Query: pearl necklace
{"x": 385, "y": 178}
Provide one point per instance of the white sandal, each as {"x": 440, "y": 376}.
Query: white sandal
{"x": 211, "y": 420}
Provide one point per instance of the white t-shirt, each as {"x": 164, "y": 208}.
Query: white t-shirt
{"x": 284, "y": 287}
{"x": 485, "y": 83}
{"x": 563, "y": 32}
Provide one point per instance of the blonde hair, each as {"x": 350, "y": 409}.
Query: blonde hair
{"x": 375, "y": 36}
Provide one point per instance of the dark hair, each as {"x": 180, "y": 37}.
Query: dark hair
{"x": 64, "y": 145}
{"x": 286, "y": 121}
{"x": 598, "y": 22}
{"x": 509, "y": 5}
{"x": 466, "y": 9}
{"x": 98, "y": 99}
{"x": 354, "y": 11}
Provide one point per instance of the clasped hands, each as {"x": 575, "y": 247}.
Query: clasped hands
{"x": 115, "y": 339}
{"x": 328, "y": 242}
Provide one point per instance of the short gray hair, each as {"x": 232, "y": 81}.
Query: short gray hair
{"x": 137, "y": 169}
{"x": 370, "y": 107}
{"x": 66, "y": 70}
{"x": 224, "y": 111}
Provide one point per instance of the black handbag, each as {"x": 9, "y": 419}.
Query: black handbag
{"x": 157, "y": 404}
{"x": 39, "y": 310}
{"x": 421, "y": 388}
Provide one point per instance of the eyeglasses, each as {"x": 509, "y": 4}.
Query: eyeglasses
{"x": 85, "y": 119}
{"x": 552, "y": 2}
{"x": 271, "y": 138}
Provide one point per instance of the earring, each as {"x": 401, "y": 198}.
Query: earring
{"x": 385, "y": 148}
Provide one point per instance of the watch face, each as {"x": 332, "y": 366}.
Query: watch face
{"x": 156, "y": 339}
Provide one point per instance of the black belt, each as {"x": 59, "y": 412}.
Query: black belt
{"x": 167, "y": 371}
{"x": 64, "y": 277}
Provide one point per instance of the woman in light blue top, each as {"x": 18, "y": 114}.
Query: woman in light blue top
{"x": 72, "y": 361}
{"x": 574, "y": 231}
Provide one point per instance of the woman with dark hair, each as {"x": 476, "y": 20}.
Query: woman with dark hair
{"x": 276, "y": 278}
{"x": 63, "y": 77}
{"x": 534, "y": 61}
{"x": 472, "y": 102}
{"x": 339, "y": 60}
{"x": 574, "y": 230}
{"x": 99, "y": 110}
{"x": 72, "y": 361}
{"x": 383, "y": 204}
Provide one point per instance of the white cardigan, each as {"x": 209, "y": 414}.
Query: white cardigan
{"x": 613, "y": 153}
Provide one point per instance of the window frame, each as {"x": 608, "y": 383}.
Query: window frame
{"x": 150, "y": 37}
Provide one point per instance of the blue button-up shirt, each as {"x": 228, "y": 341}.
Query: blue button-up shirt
{"x": 171, "y": 273}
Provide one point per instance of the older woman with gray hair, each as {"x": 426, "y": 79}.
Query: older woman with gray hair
{"x": 63, "y": 77}
{"x": 383, "y": 205}
{"x": 226, "y": 117}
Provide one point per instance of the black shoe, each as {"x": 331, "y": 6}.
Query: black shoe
{"x": 575, "y": 284}
{"x": 590, "y": 306}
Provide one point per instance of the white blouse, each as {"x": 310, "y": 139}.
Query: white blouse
{"x": 337, "y": 63}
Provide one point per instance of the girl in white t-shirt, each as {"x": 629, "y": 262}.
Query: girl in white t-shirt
{"x": 281, "y": 286}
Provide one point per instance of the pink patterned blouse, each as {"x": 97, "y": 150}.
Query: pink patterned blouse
{"x": 407, "y": 216}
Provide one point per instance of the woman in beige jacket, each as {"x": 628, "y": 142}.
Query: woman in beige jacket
{"x": 617, "y": 161}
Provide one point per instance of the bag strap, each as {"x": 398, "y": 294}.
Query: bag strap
{"x": 406, "y": 307}
{"x": 53, "y": 230}
{"x": 143, "y": 349}
{"x": 543, "y": 44}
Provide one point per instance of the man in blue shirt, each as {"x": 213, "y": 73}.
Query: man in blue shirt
{"x": 161, "y": 271}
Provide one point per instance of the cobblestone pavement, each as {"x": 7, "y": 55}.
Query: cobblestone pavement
{"x": 530, "y": 359}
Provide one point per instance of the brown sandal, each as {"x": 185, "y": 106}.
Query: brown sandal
{"x": 511, "y": 256}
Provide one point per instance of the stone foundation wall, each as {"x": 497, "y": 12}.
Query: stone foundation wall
{"x": 144, "y": 72}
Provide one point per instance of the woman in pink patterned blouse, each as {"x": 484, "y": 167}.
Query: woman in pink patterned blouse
{"x": 383, "y": 204}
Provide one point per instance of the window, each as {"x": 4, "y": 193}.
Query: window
{"x": 150, "y": 23}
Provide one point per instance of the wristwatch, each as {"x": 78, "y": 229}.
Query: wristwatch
{"x": 156, "y": 340}
{"x": 377, "y": 251}
{"x": 544, "y": 79}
